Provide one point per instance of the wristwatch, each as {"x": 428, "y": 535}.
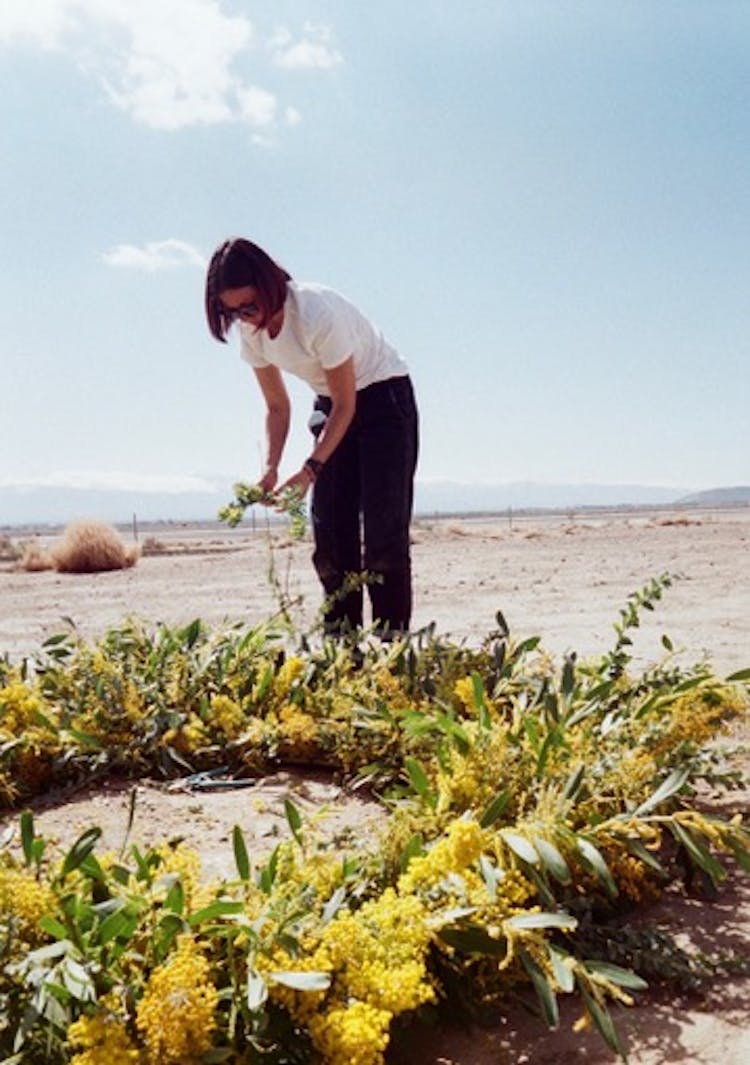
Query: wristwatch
{"x": 314, "y": 466}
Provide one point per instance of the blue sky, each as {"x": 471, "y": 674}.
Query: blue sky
{"x": 545, "y": 206}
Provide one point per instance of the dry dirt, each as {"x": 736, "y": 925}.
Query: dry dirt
{"x": 563, "y": 578}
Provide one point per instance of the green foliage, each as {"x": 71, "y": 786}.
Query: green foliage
{"x": 288, "y": 501}
{"x": 525, "y": 795}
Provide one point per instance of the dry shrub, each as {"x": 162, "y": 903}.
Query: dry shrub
{"x": 9, "y": 551}
{"x": 92, "y": 547}
{"x": 35, "y": 559}
{"x": 153, "y": 546}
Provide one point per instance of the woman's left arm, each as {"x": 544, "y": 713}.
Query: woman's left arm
{"x": 342, "y": 387}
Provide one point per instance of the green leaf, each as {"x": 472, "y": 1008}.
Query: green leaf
{"x": 175, "y": 900}
{"x": 542, "y": 920}
{"x": 593, "y": 858}
{"x": 53, "y": 928}
{"x": 698, "y": 854}
{"x": 241, "y": 858}
{"x": 563, "y": 973}
{"x": 496, "y": 809}
{"x": 669, "y": 787}
{"x": 302, "y": 981}
{"x": 120, "y": 924}
{"x": 84, "y": 738}
{"x": 574, "y": 782}
{"x": 544, "y": 992}
{"x": 743, "y": 674}
{"x": 80, "y": 850}
{"x": 741, "y": 854}
{"x": 636, "y": 847}
{"x": 27, "y": 836}
{"x": 333, "y": 905}
{"x": 491, "y": 874}
{"x": 601, "y": 1017}
{"x": 294, "y": 820}
{"x": 667, "y": 643}
{"x": 413, "y": 849}
{"x": 568, "y": 681}
{"x": 552, "y": 860}
{"x": 190, "y": 633}
{"x": 418, "y": 777}
{"x": 472, "y": 940}
{"x": 219, "y": 908}
{"x": 257, "y": 991}
{"x": 520, "y": 846}
{"x": 267, "y": 874}
{"x": 616, "y": 975}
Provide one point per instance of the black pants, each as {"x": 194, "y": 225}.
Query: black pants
{"x": 363, "y": 498}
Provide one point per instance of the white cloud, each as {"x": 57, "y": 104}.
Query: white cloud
{"x": 314, "y": 51}
{"x": 257, "y": 106}
{"x": 292, "y": 116}
{"x": 112, "y": 480}
{"x": 40, "y": 22}
{"x": 169, "y": 64}
{"x": 155, "y": 255}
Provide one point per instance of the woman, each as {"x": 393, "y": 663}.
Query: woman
{"x": 361, "y": 468}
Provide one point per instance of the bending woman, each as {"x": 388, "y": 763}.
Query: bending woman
{"x": 361, "y": 468}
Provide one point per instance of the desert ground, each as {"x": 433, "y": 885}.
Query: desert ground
{"x": 563, "y": 577}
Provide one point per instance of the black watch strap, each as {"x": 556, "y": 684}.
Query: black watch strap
{"x": 314, "y": 466}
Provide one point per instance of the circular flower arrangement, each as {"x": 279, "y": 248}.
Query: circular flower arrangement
{"x": 529, "y": 800}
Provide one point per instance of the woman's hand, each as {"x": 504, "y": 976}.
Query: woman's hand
{"x": 268, "y": 481}
{"x": 300, "y": 482}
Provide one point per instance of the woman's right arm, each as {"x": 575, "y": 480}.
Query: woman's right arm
{"x": 278, "y": 412}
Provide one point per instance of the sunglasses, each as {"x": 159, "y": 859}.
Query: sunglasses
{"x": 245, "y": 310}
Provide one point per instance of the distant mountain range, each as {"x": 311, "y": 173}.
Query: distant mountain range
{"x": 719, "y": 496}
{"x": 46, "y": 505}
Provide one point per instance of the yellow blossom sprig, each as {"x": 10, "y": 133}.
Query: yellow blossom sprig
{"x": 288, "y": 501}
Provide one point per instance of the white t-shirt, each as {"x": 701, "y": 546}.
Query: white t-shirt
{"x": 321, "y": 330}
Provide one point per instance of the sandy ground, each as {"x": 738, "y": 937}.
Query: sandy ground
{"x": 563, "y": 578}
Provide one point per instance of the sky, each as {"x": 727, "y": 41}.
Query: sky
{"x": 544, "y": 205}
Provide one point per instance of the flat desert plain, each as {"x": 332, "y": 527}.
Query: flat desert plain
{"x": 562, "y": 577}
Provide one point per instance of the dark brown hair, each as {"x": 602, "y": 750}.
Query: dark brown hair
{"x": 235, "y": 264}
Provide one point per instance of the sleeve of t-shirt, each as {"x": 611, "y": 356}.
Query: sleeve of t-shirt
{"x": 249, "y": 352}
{"x": 334, "y": 338}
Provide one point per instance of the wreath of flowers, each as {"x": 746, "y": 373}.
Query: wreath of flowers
{"x": 528, "y": 800}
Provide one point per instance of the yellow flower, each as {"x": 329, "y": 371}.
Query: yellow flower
{"x": 226, "y": 716}
{"x": 464, "y": 692}
{"x": 176, "y": 1013}
{"x": 459, "y": 848}
{"x": 288, "y": 673}
{"x": 102, "y": 1040}
{"x": 298, "y": 733}
{"x": 356, "y": 1034}
{"x": 24, "y": 900}
{"x": 19, "y": 709}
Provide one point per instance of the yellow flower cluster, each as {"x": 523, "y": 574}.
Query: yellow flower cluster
{"x": 298, "y": 732}
{"x": 176, "y": 1014}
{"x": 697, "y": 716}
{"x": 632, "y": 876}
{"x": 226, "y": 716}
{"x": 188, "y": 737}
{"x": 19, "y": 707}
{"x": 464, "y": 692}
{"x": 469, "y": 780}
{"x": 379, "y": 952}
{"x": 290, "y": 669}
{"x": 355, "y": 1034}
{"x": 24, "y": 900}
{"x": 101, "y": 1040}
{"x": 458, "y": 849}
